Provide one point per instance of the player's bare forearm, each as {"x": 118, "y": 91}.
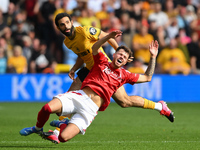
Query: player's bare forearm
{"x": 78, "y": 64}
{"x": 113, "y": 43}
{"x": 153, "y": 48}
{"x": 149, "y": 72}
{"x": 101, "y": 41}
{"x": 97, "y": 45}
{"x": 151, "y": 67}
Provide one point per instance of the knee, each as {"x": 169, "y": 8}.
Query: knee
{"x": 124, "y": 102}
{"x": 61, "y": 139}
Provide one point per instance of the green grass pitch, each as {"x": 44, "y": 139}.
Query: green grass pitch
{"x": 114, "y": 129}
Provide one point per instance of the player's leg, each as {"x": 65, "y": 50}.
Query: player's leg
{"x": 54, "y": 106}
{"x": 67, "y": 132}
{"x": 84, "y": 110}
{"x": 122, "y": 99}
{"x": 78, "y": 124}
{"x": 76, "y": 85}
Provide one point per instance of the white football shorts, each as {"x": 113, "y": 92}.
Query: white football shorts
{"x": 81, "y": 106}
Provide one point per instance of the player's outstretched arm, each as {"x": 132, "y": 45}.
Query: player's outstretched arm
{"x": 100, "y": 42}
{"x": 153, "y": 49}
{"x": 111, "y": 41}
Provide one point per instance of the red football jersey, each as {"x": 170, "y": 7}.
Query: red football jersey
{"x": 105, "y": 80}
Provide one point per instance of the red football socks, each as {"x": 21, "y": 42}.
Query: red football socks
{"x": 43, "y": 116}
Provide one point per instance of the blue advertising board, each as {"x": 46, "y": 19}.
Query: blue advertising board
{"x": 32, "y": 87}
{"x": 42, "y": 87}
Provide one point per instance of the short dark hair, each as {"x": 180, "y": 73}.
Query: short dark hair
{"x": 60, "y": 16}
{"x": 126, "y": 49}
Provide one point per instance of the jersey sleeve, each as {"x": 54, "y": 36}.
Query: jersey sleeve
{"x": 92, "y": 33}
{"x": 131, "y": 78}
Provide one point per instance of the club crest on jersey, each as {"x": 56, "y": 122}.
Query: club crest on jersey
{"x": 92, "y": 31}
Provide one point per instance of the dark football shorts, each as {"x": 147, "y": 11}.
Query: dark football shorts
{"x": 82, "y": 73}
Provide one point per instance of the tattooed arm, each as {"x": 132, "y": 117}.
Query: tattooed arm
{"x": 153, "y": 48}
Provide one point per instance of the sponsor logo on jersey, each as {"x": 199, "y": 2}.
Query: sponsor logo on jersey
{"x": 84, "y": 53}
{"x": 92, "y": 31}
{"x": 112, "y": 74}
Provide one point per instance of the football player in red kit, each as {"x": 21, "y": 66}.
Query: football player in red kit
{"x": 97, "y": 88}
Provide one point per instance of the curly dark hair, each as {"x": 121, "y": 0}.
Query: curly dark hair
{"x": 60, "y": 16}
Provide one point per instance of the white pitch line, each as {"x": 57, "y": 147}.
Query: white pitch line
{"x": 21, "y": 142}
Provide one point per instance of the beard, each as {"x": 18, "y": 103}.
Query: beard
{"x": 68, "y": 33}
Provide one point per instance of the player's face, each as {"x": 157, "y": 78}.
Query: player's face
{"x": 120, "y": 58}
{"x": 65, "y": 26}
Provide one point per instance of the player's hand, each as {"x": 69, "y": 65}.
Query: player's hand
{"x": 72, "y": 74}
{"x": 115, "y": 34}
{"x": 130, "y": 59}
{"x": 153, "y": 48}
